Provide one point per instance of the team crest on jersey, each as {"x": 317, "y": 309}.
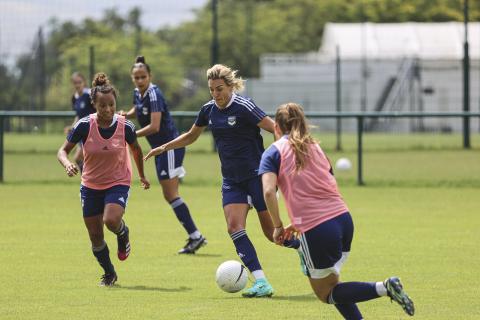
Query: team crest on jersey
{"x": 82, "y": 105}
{"x": 232, "y": 120}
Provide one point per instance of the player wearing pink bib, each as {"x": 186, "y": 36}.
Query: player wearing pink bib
{"x": 297, "y": 165}
{"x": 107, "y": 172}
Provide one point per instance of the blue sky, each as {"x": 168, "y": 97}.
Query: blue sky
{"x": 20, "y": 19}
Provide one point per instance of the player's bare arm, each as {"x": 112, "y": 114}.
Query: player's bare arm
{"x": 137, "y": 156}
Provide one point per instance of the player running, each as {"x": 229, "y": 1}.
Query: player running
{"x": 107, "y": 173}
{"x": 297, "y": 164}
{"x": 151, "y": 110}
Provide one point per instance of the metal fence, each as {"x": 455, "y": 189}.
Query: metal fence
{"x": 180, "y": 116}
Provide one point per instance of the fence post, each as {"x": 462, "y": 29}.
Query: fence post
{"x": 360, "y": 150}
{"x": 2, "y": 121}
{"x": 338, "y": 99}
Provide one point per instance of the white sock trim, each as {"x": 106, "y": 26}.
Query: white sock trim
{"x": 381, "y": 290}
{"x": 258, "y": 274}
{"x": 195, "y": 235}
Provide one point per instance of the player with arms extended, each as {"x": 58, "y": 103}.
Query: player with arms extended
{"x": 297, "y": 164}
{"x": 235, "y": 122}
{"x": 107, "y": 173}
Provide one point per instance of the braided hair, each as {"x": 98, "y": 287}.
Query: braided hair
{"x": 101, "y": 84}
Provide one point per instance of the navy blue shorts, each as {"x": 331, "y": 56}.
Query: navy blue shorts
{"x": 326, "y": 247}
{"x": 248, "y": 191}
{"x": 169, "y": 164}
{"x": 94, "y": 201}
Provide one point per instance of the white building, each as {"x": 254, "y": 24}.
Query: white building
{"x": 409, "y": 67}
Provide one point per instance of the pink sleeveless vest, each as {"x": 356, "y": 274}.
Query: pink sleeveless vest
{"x": 311, "y": 195}
{"x": 106, "y": 161}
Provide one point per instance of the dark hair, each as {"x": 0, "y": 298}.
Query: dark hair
{"x": 140, "y": 63}
{"x": 101, "y": 84}
{"x": 80, "y": 75}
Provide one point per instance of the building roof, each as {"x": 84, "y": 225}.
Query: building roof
{"x": 428, "y": 41}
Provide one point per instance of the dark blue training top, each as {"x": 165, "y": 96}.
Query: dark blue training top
{"x": 270, "y": 161}
{"x": 82, "y": 104}
{"x": 153, "y": 101}
{"x": 82, "y": 128}
{"x": 236, "y": 134}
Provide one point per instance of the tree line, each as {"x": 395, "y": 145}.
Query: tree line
{"x": 180, "y": 55}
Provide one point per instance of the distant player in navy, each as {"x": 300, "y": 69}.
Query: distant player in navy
{"x": 235, "y": 122}
{"x": 107, "y": 173}
{"x": 151, "y": 110}
{"x": 82, "y": 106}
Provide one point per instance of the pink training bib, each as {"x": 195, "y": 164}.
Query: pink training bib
{"x": 311, "y": 195}
{"x": 106, "y": 161}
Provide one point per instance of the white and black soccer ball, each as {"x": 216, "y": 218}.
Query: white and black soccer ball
{"x": 231, "y": 276}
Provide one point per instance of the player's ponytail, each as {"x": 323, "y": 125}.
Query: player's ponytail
{"x": 219, "y": 71}
{"x": 101, "y": 84}
{"x": 291, "y": 120}
{"x": 140, "y": 62}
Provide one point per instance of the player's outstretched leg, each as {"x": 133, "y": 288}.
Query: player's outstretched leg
{"x": 123, "y": 241}
{"x": 246, "y": 251}
{"x": 396, "y": 293}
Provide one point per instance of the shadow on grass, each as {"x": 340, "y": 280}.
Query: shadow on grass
{"x": 203, "y": 255}
{"x": 301, "y": 297}
{"x": 146, "y": 288}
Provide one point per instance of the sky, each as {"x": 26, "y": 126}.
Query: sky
{"x": 20, "y": 19}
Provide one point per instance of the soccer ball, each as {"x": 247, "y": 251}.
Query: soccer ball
{"x": 343, "y": 164}
{"x": 231, "y": 276}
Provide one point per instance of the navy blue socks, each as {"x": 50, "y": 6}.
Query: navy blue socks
{"x": 103, "y": 257}
{"x": 245, "y": 250}
{"x": 183, "y": 215}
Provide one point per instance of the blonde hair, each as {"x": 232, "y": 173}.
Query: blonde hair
{"x": 219, "y": 71}
{"x": 291, "y": 120}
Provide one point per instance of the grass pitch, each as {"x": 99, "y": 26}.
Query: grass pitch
{"x": 417, "y": 217}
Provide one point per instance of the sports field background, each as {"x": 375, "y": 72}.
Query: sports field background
{"x": 417, "y": 217}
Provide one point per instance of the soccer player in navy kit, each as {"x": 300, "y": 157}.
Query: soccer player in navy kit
{"x": 151, "y": 110}
{"x": 82, "y": 106}
{"x": 235, "y": 122}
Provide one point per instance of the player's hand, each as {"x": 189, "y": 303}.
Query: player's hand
{"x": 154, "y": 152}
{"x": 279, "y": 235}
{"x": 67, "y": 129}
{"x": 290, "y": 232}
{"x": 71, "y": 169}
{"x": 145, "y": 183}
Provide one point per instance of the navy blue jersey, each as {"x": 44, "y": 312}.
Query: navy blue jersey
{"x": 270, "y": 161}
{"x": 82, "y": 104}
{"x": 82, "y": 128}
{"x": 153, "y": 101}
{"x": 237, "y": 136}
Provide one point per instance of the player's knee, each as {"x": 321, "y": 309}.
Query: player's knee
{"x": 110, "y": 221}
{"x": 234, "y": 227}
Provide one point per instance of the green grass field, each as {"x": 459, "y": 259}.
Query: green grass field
{"x": 417, "y": 217}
